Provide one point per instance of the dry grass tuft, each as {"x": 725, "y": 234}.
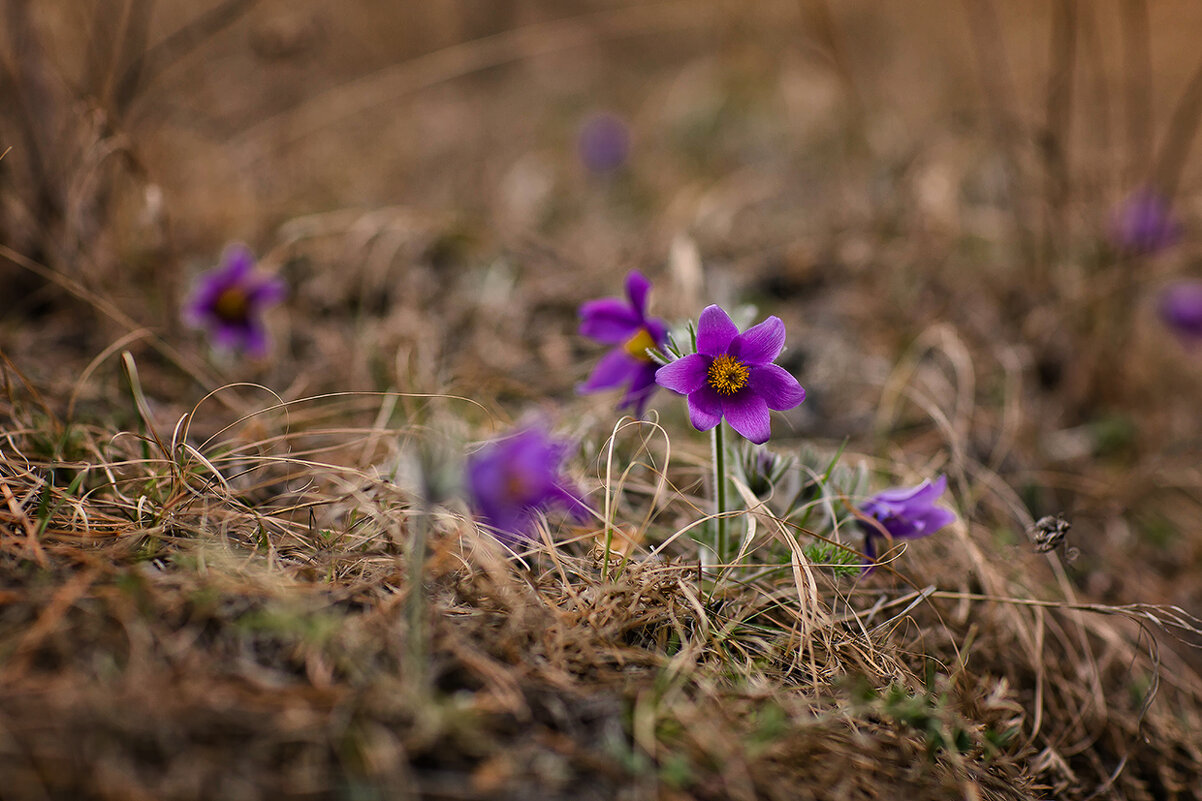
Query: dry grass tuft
{"x": 236, "y": 618}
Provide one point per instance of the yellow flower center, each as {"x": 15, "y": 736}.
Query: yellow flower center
{"x": 638, "y": 344}
{"x": 232, "y": 305}
{"x": 727, "y": 375}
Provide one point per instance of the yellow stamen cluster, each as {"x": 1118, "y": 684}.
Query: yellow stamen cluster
{"x": 727, "y": 375}
{"x": 232, "y": 305}
{"x": 638, "y": 344}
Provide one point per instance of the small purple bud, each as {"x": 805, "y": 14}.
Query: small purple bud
{"x": 1143, "y": 224}
{"x": 604, "y": 142}
{"x": 1181, "y": 309}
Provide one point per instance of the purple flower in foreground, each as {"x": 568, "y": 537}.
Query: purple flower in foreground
{"x": 732, "y": 375}
{"x": 903, "y": 513}
{"x": 1181, "y": 309}
{"x": 512, "y": 479}
{"x": 632, "y": 332}
{"x": 229, "y": 300}
{"x": 604, "y": 142}
{"x": 1143, "y": 224}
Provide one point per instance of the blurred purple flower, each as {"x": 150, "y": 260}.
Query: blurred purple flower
{"x": 732, "y": 375}
{"x": 627, "y": 327}
{"x": 603, "y": 143}
{"x": 903, "y": 513}
{"x": 511, "y": 479}
{"x": 1181, "y": 309}
{"x": 1143, "y": 223}
{"x": 229, "y": 300}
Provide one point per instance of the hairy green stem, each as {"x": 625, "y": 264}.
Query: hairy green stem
{"x": 721, "y": 546}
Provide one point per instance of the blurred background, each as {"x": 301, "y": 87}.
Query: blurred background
{"x": 930, "y": 194}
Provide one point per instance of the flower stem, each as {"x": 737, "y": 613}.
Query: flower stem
{"x": 719, "y": 456}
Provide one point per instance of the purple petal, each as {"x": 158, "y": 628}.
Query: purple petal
{"x": 269, "y": 291}
{"x": 236, "y": 262}
{"x": 609, "y": 321}
{"x": 1181, "y": 308}
{"x": 776, "y": 386}
{"x": 255, "y": 341}
{"x": 642, "y": 387}
{"x": 924, "y": 494}
{"x": 637, "y": 288}
{"x": 747, "y": 414}
{"x": 199, "y": 306}
{"x": 487, "y": 478}
{"x": 196, "y": 311}
{"x": 715, "y": 331}
{"x": 657, "y": 329}
{"x": 761, "y": 343}
{"x": 686, "y": 375}
{"x": 612, "y": 370}
{"x": 568, "y": 495}
{"x": 705, "y": 409}
{"x": 927, "y": 523}
{"x": 229, "y": 337}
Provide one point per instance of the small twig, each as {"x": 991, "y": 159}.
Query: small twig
{"x": 155, "y": 60}
{"x": 1180, "y": 136}
{"x": 135, "y": 24}
{"x": 818, "y": 16}
{"x": 1137, "y": 66}
{"x": 997, "y": 83}
{"x": 1056, "y": 140}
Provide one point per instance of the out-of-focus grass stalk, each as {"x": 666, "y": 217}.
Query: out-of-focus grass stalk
{"x": 415, "y": 604}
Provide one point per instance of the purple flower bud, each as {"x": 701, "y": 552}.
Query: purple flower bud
{"x": 229, "y": 300}
{"x": 1143, "y": 224}
{"x": 511, "y": 479}
{"x": 1181, "y": 309}
{"x": 732, "y": 375}
{"x": 903, "y": 513}
{"x": 603, "y": 143}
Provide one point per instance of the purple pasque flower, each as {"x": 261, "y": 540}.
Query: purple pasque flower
{"x": 229, "y": 300}
{"x": 626, "y": 326}
{"x": 1143, "y": 223}
{"x": 511, "y": 479}
{"x": 902, "y": 513}
{"x": 732, "y": 375}
{"x": 603, "y": 143}
{"x": 1181, "y": 309}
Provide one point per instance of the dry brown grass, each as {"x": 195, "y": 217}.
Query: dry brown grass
{"x": 235, "y": 618}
